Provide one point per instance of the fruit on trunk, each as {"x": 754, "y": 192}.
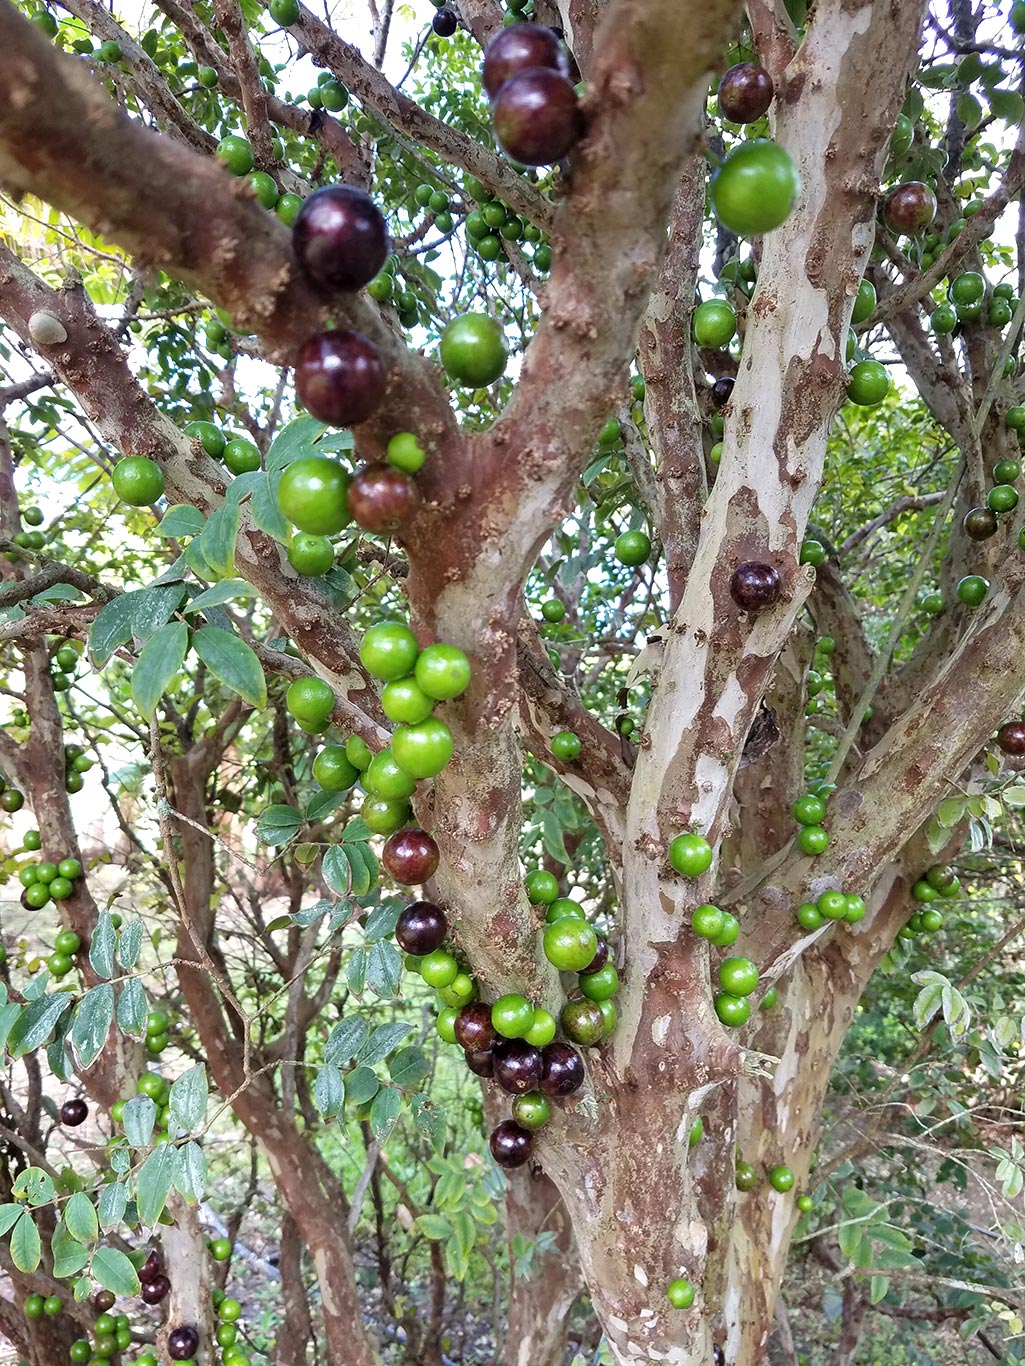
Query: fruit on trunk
{"x": 715, "y": 324}
{"x": 512, "y": 1015}
{"x": 583, "y": 1022}
{"x": 423, "y": 750}
{"x": 562, "y": 1069}
{"x": 868, "y": 383}
{"x": 138, "y": 481}
{"x": 444, "y": 23}
{"x": 1011, "y": 738}
{"x": 182, "y": 1342}
{"x": 481, "y": 1062}
{"x": 601, "y": 957}
{"x": 537, "y": 117}
{"x": 755, "y": 586}
{"x": 518, "y": 1066}
{"x": 410, "y": 856}
{"x": 389, "y": 650}
{"x": 570, "y": 944}
{"x": 311, "y": 701}
{"x": 690, "y": 854}
{"x": 443, "y": 672}
{"x": 339, "y": 377}
{"x": 340, "y": 237}
{"x": 756, "y": 188}
{"x": 332, "y": 769}
{"x": 381, "y": 498}
{"x": 738, "y": 976}
{"x": 745, "y": 92}
{"x": 404, "y": 701}
{"x": 384, "y": 778}
{"x": 311, "y": 495}
{"x": 473, "y": 350}
{"x": 473, "y": 1028}
{"x": 980, "y": 523}
{"x": 680, "y": 1293}
{"x": 781, "y": 1179}
{"x": 633, "y": 548}
{"x": 153, "y": 1291}
{"x": 421, "y": 928}
{"x": 909, "y": 208}
{"x": 309, "y": 555}
{"x": 532, "y": 1111}
{"x": 74, "y": 1112}
{"x": 521, "y": 47}
{"x": 510, "y": 1144}
{"x": 542, "y": 1030}
{"x": 722, "y": 389}
{"x": 601, "y": 985}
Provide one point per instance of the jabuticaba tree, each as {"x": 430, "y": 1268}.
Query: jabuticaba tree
{"x": 665, "y": 1066}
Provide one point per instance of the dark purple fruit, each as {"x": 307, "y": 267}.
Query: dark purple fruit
{"x": 910, "y": 207}
{"x": 521, "y": 47}
{"x": 74, "y": 1112}
{"x": 721, "y": 390}
{"x": 151, "y": 1267}
{"x": 745, "y": 92}
{"x": 182, "y": 1343}
{"x": 755, "y": 586}
{"x": 718, "y": 1355}
{"x": 481, "y": 1061}
{"x": 517, "y": 1066}
{"x": 381, "y": 498}
{"x": 473, "y": 1028}
{"x": 444, "y": 23}
{"x": 510, "y": 1145}
{"x": 980, "y": 523}
{"x": 410, "y": 856}
{"x": 562, "y": 1069}
{"x": 154, "y": 1291}
{"x": 1011, "y": 737}
{"x": 537, "y": 117}
{"x": 421, "y": 928}
{"x": 600, "y": 958}
{"x": 339, "y": 377}
{"x": 340, "y": 237}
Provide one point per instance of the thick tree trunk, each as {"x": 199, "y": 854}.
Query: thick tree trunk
{"x": 541, "y": 1300}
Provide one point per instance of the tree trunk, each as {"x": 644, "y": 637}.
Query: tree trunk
{"x": 540, "y": 1300}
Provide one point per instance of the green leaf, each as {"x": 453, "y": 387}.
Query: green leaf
{"x": 9, "y": 1216}
{"x": 465, "y": 1231}
{"x": 103, "y": 945}
{"x": 296, "y": 438}
{"x": 190, "y": 1176}
{"x": 217, "y": 542}
{"x": 8, "y": 1014}
{"x": 336, "y": 869}
{"x": 433, "y": 1226}
{"x": 264, "y": 509}
{"x": 228, "y": 590}
{"x": 92, "y": 1023}
{"x": 161, "y": 658}
{"x": 384, "y": 968}
{"x": 321, "y": 804}
{"x": 132, "y": 616}
{"x": 153, "y": 1182}
{"x": 356, "y": 973}
{"x": 877, "y": 1288}
{"x": 362, "y": 868}
{"x": 360, "y": 1085}
{"x": 114, "y": 1271}
{"x": 428, "y": 1117}
{"x": 188, "y": 1098}
{"x": 34, "y": 1186}
{"x": 26, "y": 1248}
{"x": 356, "y": 831}
{"x": 80, "y": 1217}
{"x": 131, "y": 1008}
{"x": 345, "y": 1040}
{"x": 36, "y": 1023}
{"x": 112, "y": 1204}
{"x": 951, "y": 811}
{"x": 279, "y": 824}
{"x": 384, "y": 1113}
{"x": 927, "y": 1003}
{"x": 231, "y": 660}
{"x": 181, "y": 520}
{"x": 408, "y": 1067}
{"x": 129, "y": 944}
{"x": 69, "y": 1255}
{"x": 382, "y": 920}
{"x": 329, "y": 1091}
{"x": 140, "y": 1115}
{"x": 384, "y": 1040}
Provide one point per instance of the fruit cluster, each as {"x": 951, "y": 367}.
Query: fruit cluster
{"x": 52, "y": 880}
{"x": 534, "y": 107}
{"x": 980, "y": 523}
{"x": 939, "y": 883}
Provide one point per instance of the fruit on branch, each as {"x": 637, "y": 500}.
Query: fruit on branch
{"x": 518, "y": 1066}
{"x": 733, "y": 1011}
{"x": 562, "y": 1069}
{"x": 943, "y": 320}
{"x": 553, "y": 610}
{"x": 541, "y": 887}
{"x": 446, "y": 1023}
{"x": 512, "y": 1015}
{"x": 332, "y": 769}
{"x": 241, "y": 456}
{"x": 909, "y": 208}
{"x": 155, "y": 1290}
{"x": 864, "y": 304}
{"x": 738, "y": 976}
{"x": 707, "y": 921}
{"x": 442, "y": 672}
{"x": 532, "y": 1111}
{"x": 808, "y": 809}
{"x": 570, "y": 944}
{"x": 311, "y": 701}
{"x": 600, "y": 985}
{"x": 583, "y": 1022}
{"x": 339, "y": 377}
{"x": 460, "y": 991}
{"x": 972, "y": 589}
{"x": 1006, "y": 471}
{"x": 74, "y": 1112}
{"x": 781, "y": 1179}
{"x": 868, "y": 383}
{"x": 600, "y": 958}
{"x": 714, "y": 324}
{"x": 565, "y": 746}
{"x": 340, "y": 237}
{"x": 980, "y": 523}
{"x": 543, "y": 1029}
{"x": 473, "y": 1028}
{"x": 182, "y": 1343}
{"x": 756, "y": 188}
{"x": 138, "y": 481}
{"x": 745, "y": 92}
{"x": 263, "y": 186}
{"x": 690, "y": 854}
{"x": 510, "y": 1144}
{"x": 521, "y": 47}
{"x": 755, "y": 586}
{"x": 410, "y": 857}
{"x": 680, "y": 1293}
{"x": 311, "y": 495}
{"x": 381, "y": 498}
{"x": 236, "y": 153}
{"x": 423, "y": 750}
{"x": 444, "y": 23}
{"x": 1011, "y": 737}
{"x": 473, "y": 350}
{"x": 389, "y": 650}
{"x": 537, "y": 117}
{"x": 405, "y": 452}
{"x": 1002, "y": 498}
{"x": 480, "y": 1061}
{"x": 309, "y": 555}
{"x": 813, "y": 553}
{"x": 722, "y": 389}
{"x": 632, "y": 548}
{"x": 439, "y": 969}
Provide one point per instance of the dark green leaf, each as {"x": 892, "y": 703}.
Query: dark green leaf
{"x": 356, "y": 973}
{"x": 217, "y": 542}
{"x": 103, "y": 946}
{"x": 360, "y": 1085}
{"x": 92, "y": 1023}
{"x": 231, "y": 660}
{"x": 263, "y": 507}
{"x": 69, "y": 1256}
{"x": 140, "y": 1115}
{"x": 345, "y": 1040}
{"x": 114, "y": 1271}
{"x": 9, "y": 1216}
{"x": 382, "y": 920}
{"x": 190, "y": 1176}
{"x": 384, "y": 968}
{"x": 181, "y": 520}
{"x": 228, "y": 590}
{"x": 80, "y": 1217}
{"x": 129, "y": 944}
{"x": 131, "y": 1007}
{"x": 112, "y": 1204}
{"x": 384, "y": 1040}
{"x": 329, "y": 1091}
{"x": 132, "y": 616}
{"x": 153, "y": 1182}
{"x": 384, "y": 1113}
{"x": 161, "y": 658}
{"x": 188, "y": 1098}
{"x": 26, "y": 1248}
{"x": 408, "y": 1067}
{"x": 279, "y": 824}
{"x": 293, "y": 440}
{"x": 34, "y": 1186}
{"x": 36, "y": 1023}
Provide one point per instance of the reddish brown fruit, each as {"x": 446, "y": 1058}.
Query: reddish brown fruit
{"x": 421, "y": 928}
{"x": 340, "y": 237}
{"x": 980, "y": 523}
{"x": 410, "y": 857}
{"x": 103, "y": 1300}
{"x": 721, "y": 390}
{"x": 151, "y": 1267}
{"x": 909, "y": 208}
{"x": 537, "y": 117}
{"x": 473, "y": 1028}
{"x": 339, "y": 377}
{"x": 511, "y": 1145}
{"x": 182, "y": 1343}
{"x": 1011, "y": 738}
{"x": 521, "y": 47}
{"x": 599, "y": 960}
{"x": 755, "y": 586}
{"x": 745, "y": 92}
{"x": 381, "y": 498}
{"x": 481, "y": 1062}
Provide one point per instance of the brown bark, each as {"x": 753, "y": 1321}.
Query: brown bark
{"x": 296, "y": 1328}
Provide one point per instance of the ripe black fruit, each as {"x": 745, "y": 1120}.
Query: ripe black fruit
{"x": 182, "y": 1343}
{"x": 340, "y": 237}
{"x": 562, "y": 1069}
{"x": 473, "y": 1028}
{"x": 481, "y": 1061}
{"x": 537, "y": 117}
{"x": 74, "y": 1112}
{"x": 421, "y": 928}
{"x": 600, "y": 958}
{"x": 1011, "y": 737}
{"x": 755, "y": 586}
{"x": 518, "y": 1066}
{"x": 410, "y": 856}
{"x": 511, "y": 1145}
{"x": 721, "y": 390}
{"x": 745, "y": 92}
{"x": 339, "y": 377}
{"x": 521, "y": 47}
{"x": 151, "y": 1267}
{"x": 155, "y": 1290}
{"x": 381, "y": 498}
{"x": 444, "y": 23}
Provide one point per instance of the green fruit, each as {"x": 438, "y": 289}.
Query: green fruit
{"x": 229, "y": 1310}
{"x": 405, "y": 453}
{"x": 423, "y": 750}
{"x": 932, "y": 921}
{"x": 680, "y": 1293}
{"x": 972, "y": 589}
{"x": 696, "y": 1133}
{"x": 1006, "y": 471}
{"x": 46, "y": 872}
{"x": 287, "y": 208}
{"x": 150, "y": 1084}
{"x": 690, "y": 854}
{"x": 968, "y": 288}
{"x": 333, "y": 770}
{"x": 220, "y": 1249}
{"x": 565, "y": 746}
{"x": 855, "y": 908}
{"x": 1015, "y": 418}
{"x": 385, "y": 815}
{"x": 812, "y": 840}
{"x": 1003, "y": 498}
{"x": 729, "y": 932}
{"x": 570, "y": 944}
{"x": 608, "y": 1012}
{"x": 37, "y": 895}
{"x": 264, "y": 188}
{"x": 32, "y": 839}
{"x": 445, "y": 1024}
{"x": 832, "y": 905}
{"x": 473, "y": 350}
{"x": 943, "y": 320}
{"x": 553, "y": 610}
{"x": 864, "y": 304}
{"x": 28, "y": 875}
{"x": 564, "y": 906}
{"x": 715, "y": 324}
{"x": 738, "y": 976}
{"x": 601, "y": 985}
{"x": 632, "y": 548}
{"x": 707, "y": 921}
{"x": 241, "y": 456}
{"x": 109, "y": 52}
{"x": 67, "y": 942}
{"x": 541, "y": 887}
{"x": 933, "y": 604}
{"x": 769, "y": 999}
{"x": 310, "y": 555}
{"x": 512, "y": 1016}
{"x": 61, "y": 888}
{"x": 532, "y": 1111}
{"x": 403, "y": 700}
{"x": 808, "y": 809}
{"x": 207, "y": 77}
{"x": 137, "y": 481}
{"x": 733, "y": 1011}
{"x": 33, "y": 1306}
{"x": 358, "y": 752}
{"x": 746, "y": 1177}
{"x": 459, "y": 992}
{"x": 542, "y": 1030}
{"x": 442, "y": 671}
{"x": 384, "y": 778}
{"x": 311, "y": 701}
{"x": 813, "y": 553}
{"x": 312, "y": 495}
{"x": 236, "y": 154}
{"x": 80, "y": 1350}
{"x": 781, "y": 1179}
{"x": 756, "y": 188}
{"x": 439, "y": 969}
{"x": 868, "y": 383}
{"x": 924, "y": 892}
{"x": 389, "y": 650}
{"x": 334, "y": 96}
